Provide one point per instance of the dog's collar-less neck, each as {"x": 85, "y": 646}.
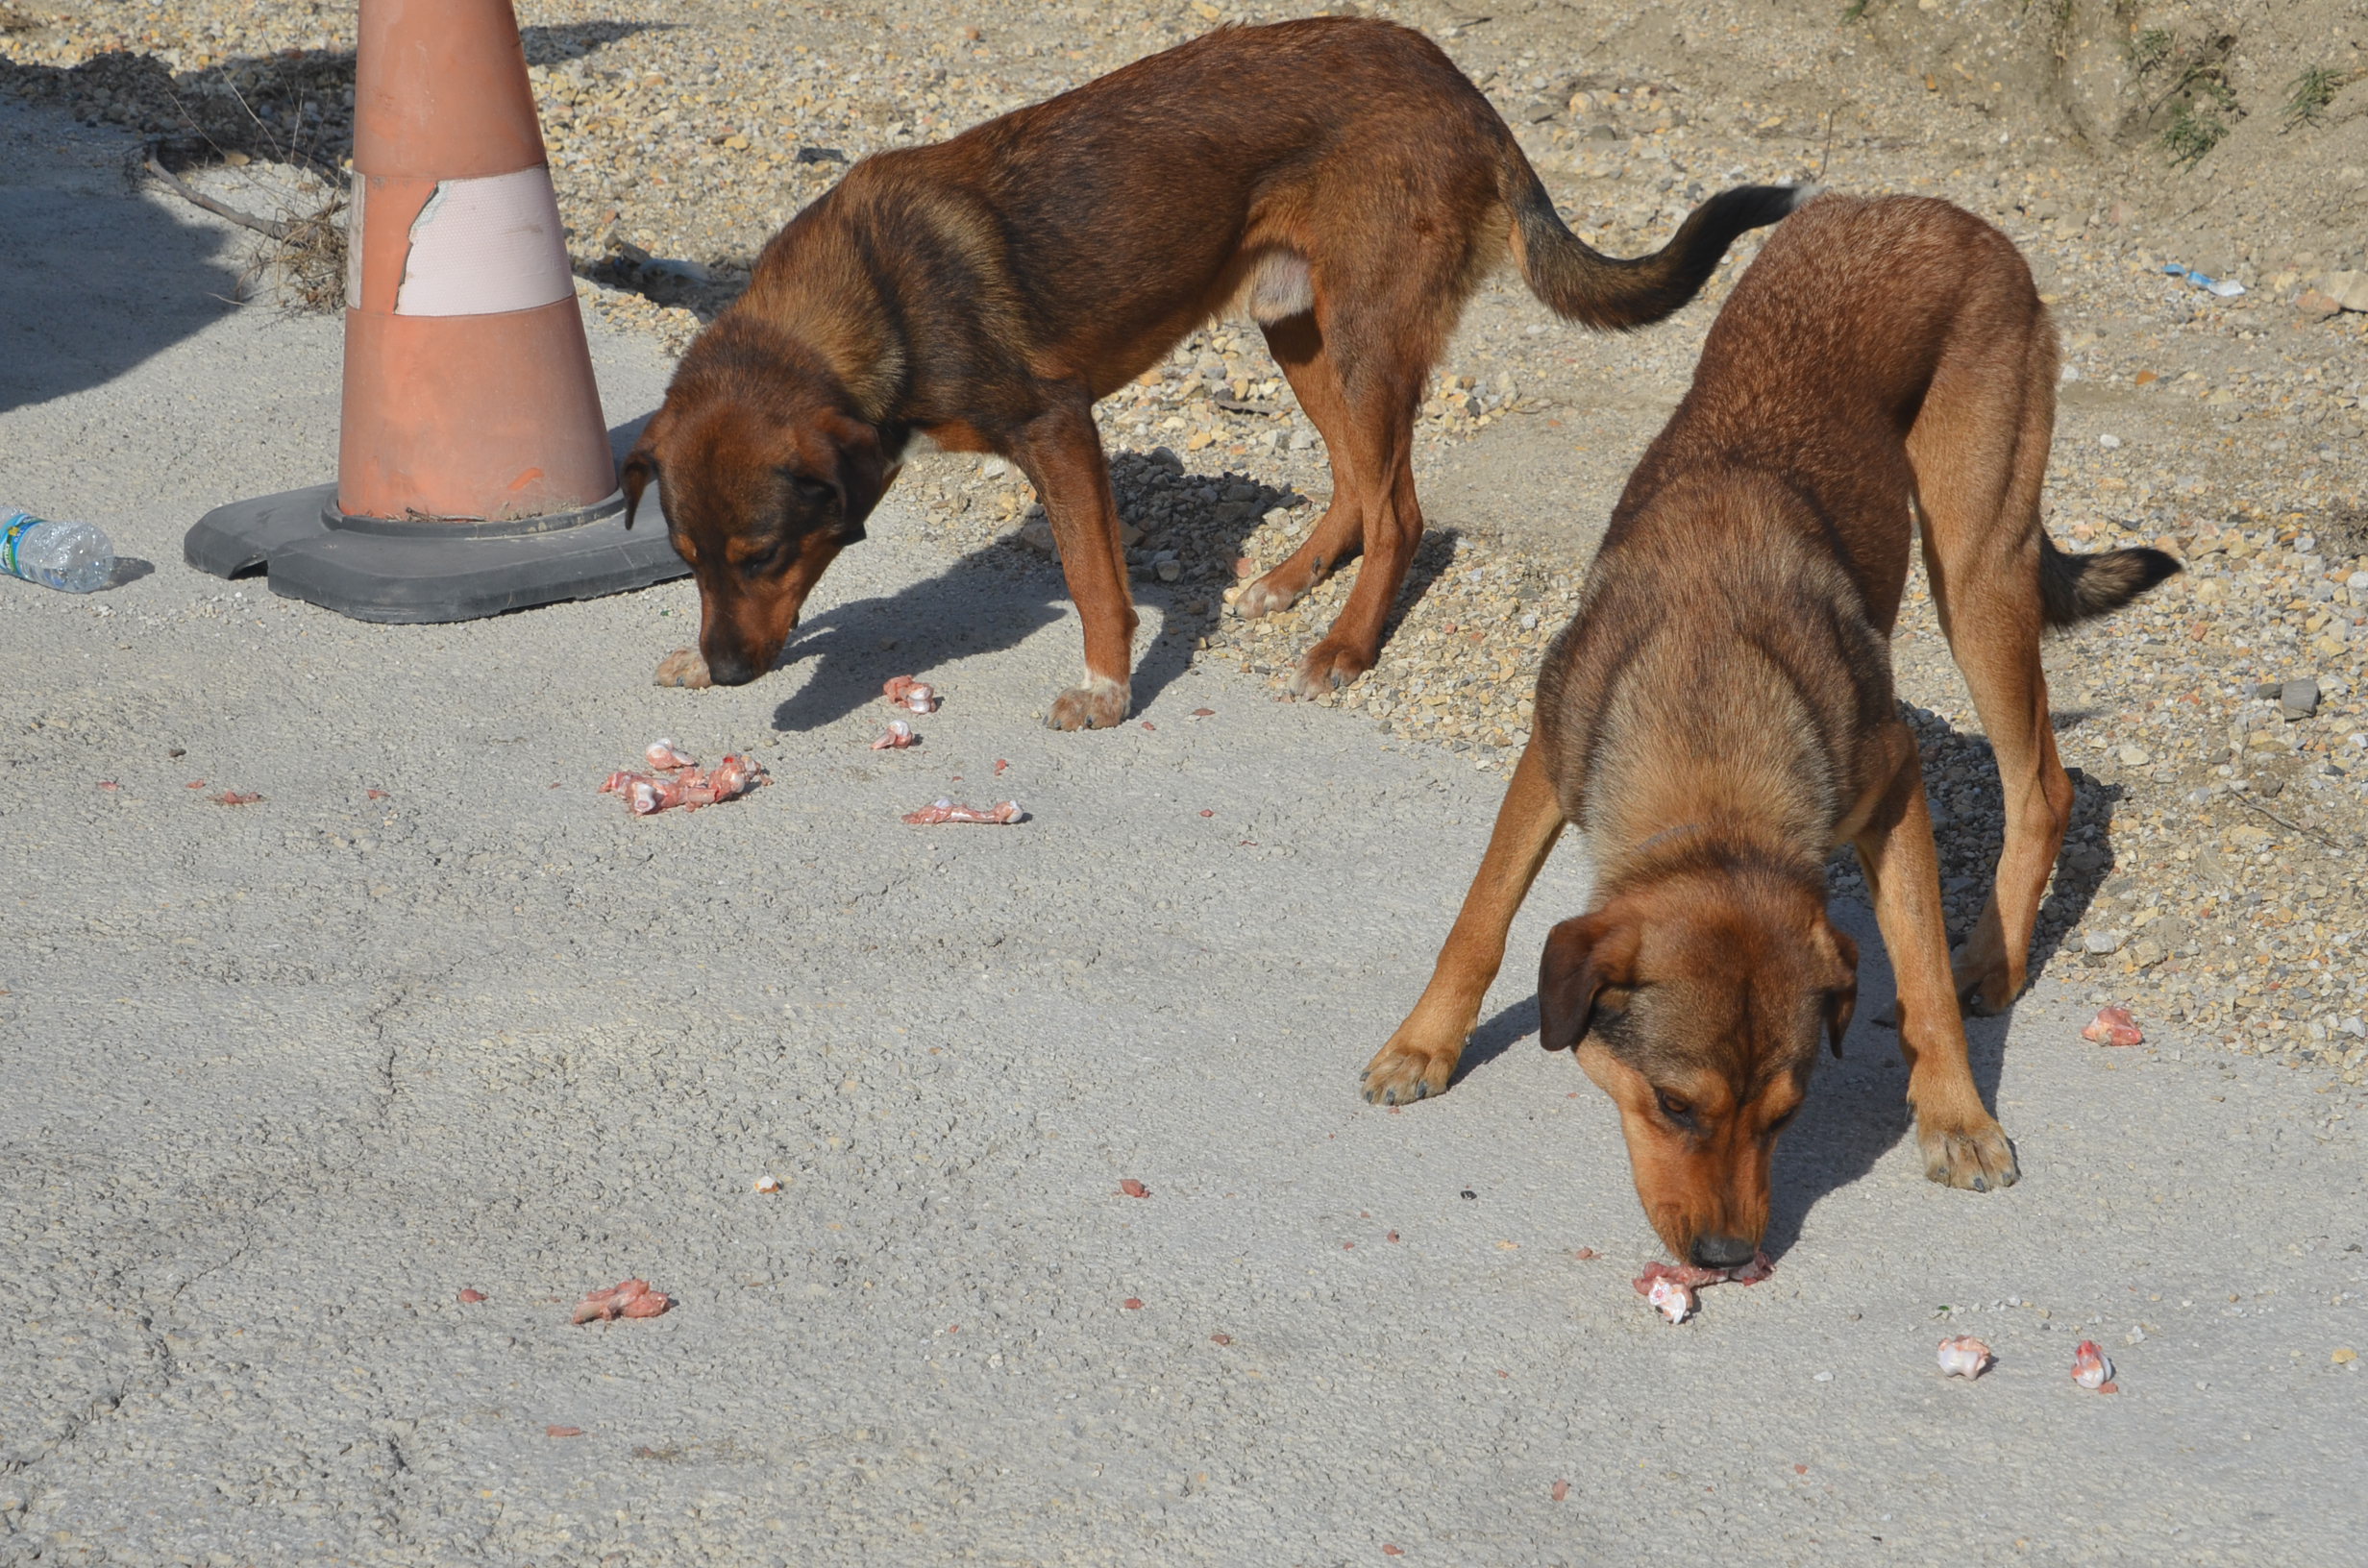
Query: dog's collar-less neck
{"x": 1711, "y": 845}
{"x": 1645, "y": 844}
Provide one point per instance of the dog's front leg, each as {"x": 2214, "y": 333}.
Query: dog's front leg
{"x": 1421, "y": 1056}
{"x": 1061, "y": 452}
{"x": 1962, "y": 1141}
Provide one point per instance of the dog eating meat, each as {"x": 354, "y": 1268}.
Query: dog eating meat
{"x": 1719, "y": 717}
{"x": 1336, "y": 178}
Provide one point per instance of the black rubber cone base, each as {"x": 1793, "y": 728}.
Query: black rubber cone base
{"x": 384, "y": 570}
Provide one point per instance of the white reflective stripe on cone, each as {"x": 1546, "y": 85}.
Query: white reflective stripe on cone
{"x": 483, "y": 246}
{"x": 353, "y": 241}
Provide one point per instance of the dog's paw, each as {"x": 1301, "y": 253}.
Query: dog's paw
{"x": 1269, "y": 595}
{"x": 1329, "y": 665}
{"x": 1986, "y": 977}
{"x": 1984, "y": 985}
{"x": 1101, "y": 703}
{"x": 683, "y": 667}
{"x": 1975, "y": 1155}
{"x": 1402, "y": 1073}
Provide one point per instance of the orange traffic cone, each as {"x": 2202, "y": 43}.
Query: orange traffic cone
{"x": 474, "y": 468}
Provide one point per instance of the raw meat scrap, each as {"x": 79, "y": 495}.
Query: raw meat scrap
{"x": 2092, "y": 1369}
{"x": 689, "y": 788}
{"x": 904, "y": 692}
{"x": 735, "y": 776}
{"x": 1693, "y": 1277}
{"x": 1671, "y": 1300}
{"x": 1671, "y": 1287}
{"x": 2114, "y": 1026}
{"x": 945, "y": 811}
{"x": 1963, "y": 1356}
{"x": 899, "y": 736}
{"x": 633, "y": 1298}
{"x": 663, "y": 757}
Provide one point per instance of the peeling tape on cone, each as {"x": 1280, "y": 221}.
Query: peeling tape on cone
{"x": 474, "y": 468}
{"x": 480, "y": 247}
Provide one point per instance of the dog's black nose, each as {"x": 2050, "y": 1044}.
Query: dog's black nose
{"x": 731, "y": 669}
{"x": 1722, "y": 1252}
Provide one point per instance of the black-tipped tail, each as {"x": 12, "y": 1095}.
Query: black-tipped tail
{"x": 1580, "y": 284}
{"x": 2076, "y": 588}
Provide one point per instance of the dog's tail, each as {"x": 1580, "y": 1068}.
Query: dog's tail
{"x": 1580, "y": 284}
{"x": 2076, "y": 588}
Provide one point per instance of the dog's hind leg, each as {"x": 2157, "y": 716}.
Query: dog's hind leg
{"x": 1392, "y": 533}
{"x": 1962, "y": 1142}
{"x": 1374, "y": 446}
{"x": 1420, "y": 1057}
{"x": 1381, "y": 327}
{"x": 1298, "y": 347}
{"x": 1980, "y": 452}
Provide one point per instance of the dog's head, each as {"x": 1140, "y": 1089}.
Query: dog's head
{"x": 764, "y": 481}
{"x": 1697, "y": 1002}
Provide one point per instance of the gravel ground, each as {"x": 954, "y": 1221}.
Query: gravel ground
{"x": 2213, "y": 876}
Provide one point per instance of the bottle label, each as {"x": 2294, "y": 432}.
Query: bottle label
{"x": 16, "y": 528}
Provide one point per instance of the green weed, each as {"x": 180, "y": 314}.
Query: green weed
{"x": 2192, "y": 78}
{"x": 2308, "y": 94}
{"x": 2191, "y": 134}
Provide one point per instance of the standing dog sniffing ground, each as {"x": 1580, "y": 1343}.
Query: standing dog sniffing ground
{"x": 1719, "y": 716}
{"x": 1340, "y": 179}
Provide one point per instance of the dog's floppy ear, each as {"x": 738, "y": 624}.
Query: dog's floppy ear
{"x": 861, "y": 473}
{"x": 640, "y": 465}
{"x": 1582, "y": 957}
{"x": 1842, "y": 992}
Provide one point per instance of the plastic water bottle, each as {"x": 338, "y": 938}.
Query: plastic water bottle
{"x": 74, "y": 556}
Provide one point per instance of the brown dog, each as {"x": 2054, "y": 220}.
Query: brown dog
{"x": 1338, "y": 177}
{"x": 1719, "y": 717}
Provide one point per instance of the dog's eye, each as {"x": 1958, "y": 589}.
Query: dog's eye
{"x": 812, "y": 492}
{"x": 763, "y": 560}
{"x": 1780, "y": 1123}
{"x": 1674, "y": 1107}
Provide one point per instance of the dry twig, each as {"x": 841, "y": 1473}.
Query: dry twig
{"x": 271, "y": 226}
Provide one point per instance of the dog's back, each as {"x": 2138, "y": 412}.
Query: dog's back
{"x": 1817, "y": 368}
{"x": 1885, "y": 365}
{"x": 1829, "y": 355}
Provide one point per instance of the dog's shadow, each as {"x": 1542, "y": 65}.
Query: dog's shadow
{"x": 1858, "y": 1109}
{"x": 997, "y": 594}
